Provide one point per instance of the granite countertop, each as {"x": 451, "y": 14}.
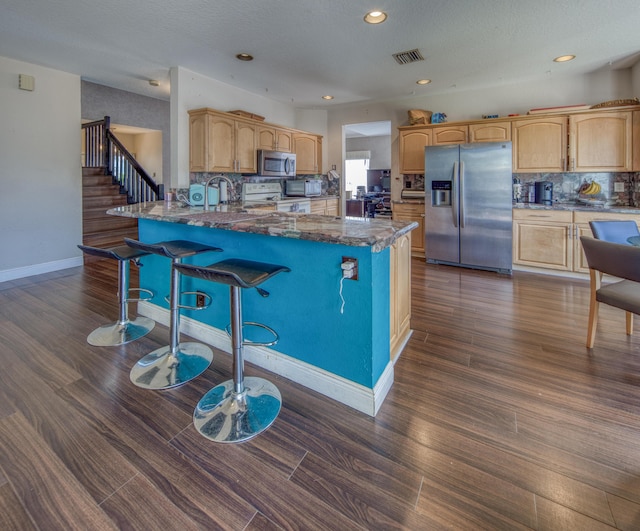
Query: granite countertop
{"x": 576, "y": 206}
{"x": 358, "y": 232}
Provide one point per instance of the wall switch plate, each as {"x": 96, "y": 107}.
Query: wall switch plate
{"x": 618, "y": 187}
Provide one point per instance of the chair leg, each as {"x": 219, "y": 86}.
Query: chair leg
{"x": 593, "y": 307}
{"x": 629, "y": 323}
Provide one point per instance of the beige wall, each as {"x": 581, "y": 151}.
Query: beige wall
{"x": 40, "y": 174}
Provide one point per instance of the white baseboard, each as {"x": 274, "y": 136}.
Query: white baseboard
{"x": 335, "y": 387}
{"x": 39, "y": 269}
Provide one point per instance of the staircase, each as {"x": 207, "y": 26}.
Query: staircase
{"x": 111, "y": 177}
{"x": 100, "y": 229}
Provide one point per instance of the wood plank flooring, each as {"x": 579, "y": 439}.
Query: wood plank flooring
{"x": 499, "y": 418}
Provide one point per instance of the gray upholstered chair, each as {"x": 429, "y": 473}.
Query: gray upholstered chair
{"x": 614, "y": 231}
{"x": 622, "y": 261}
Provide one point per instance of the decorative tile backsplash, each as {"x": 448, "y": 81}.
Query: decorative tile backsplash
{"x": 566, "y": 185}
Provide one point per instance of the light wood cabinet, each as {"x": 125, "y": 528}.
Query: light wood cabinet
{"x": 274, "y": 138}
{"x": 399, "y": 294}
{"x": 449, "y": 134}
{"x": 219, "y": 143}
{"x": 325, "y": 207}
{"x": 411, "y": 143}
{"x": 491, "y": 131}
{"x": 601, "y": 142}
{"x": 539, "y": 145}
{"x": 308, "y": 150}
{"x": 412, "y": 212}
{"x": 551, "y": 239}
{"x": 542, "y": 238}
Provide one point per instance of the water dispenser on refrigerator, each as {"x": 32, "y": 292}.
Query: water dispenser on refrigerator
{"x": 441, "y": 193}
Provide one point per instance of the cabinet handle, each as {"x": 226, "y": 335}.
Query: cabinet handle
{"x": 564, "y": 164}
{"x": 539, "y": 216}
{"x": 569, "y": 232}
{"x": 573, "y": 163}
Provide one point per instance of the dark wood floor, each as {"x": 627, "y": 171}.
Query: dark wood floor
{"x": 499, "y": 418}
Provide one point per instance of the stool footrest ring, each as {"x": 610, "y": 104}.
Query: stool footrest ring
{"x": 147, "y": 295}
{"x": 275, "y": 339}
{"x": 207, "y": 300}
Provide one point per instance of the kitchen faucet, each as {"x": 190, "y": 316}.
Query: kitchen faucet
{"x": 230, "y": 188}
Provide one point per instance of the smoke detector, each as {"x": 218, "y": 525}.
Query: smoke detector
{"x": 411, "y": 56}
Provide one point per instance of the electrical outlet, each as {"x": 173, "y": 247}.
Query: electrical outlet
{"x": 200, "y": 299}
{"x": 349, "y": 271}
{"x": 618, "y": 187}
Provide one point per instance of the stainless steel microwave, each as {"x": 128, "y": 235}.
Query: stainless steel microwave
{"x": 276, "y": 163}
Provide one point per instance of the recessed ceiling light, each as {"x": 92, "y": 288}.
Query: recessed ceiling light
{"x": 564, "y": 58}
{"x": 423, "y": 81}
{"x": 327, "y": 97}
{"x": 375, "y": 17}
{"x": 244, "y": 57}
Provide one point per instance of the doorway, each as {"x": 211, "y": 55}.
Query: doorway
{"x": 367, "y": 147}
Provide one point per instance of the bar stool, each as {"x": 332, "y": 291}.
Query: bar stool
{"x": 123, "y": 330}
{"x": 177, "y": 363}
{"x": 237, "y": 409}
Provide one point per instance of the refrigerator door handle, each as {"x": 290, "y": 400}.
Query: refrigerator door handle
{"x": 454, "y": 194}
{"x": 462, "y": 195}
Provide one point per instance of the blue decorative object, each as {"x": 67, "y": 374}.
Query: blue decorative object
{"x": 438, "y": 118}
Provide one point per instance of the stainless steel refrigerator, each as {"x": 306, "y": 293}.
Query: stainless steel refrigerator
{"x": 468, "y": 217}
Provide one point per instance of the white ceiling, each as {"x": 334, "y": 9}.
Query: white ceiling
{"x": 305, "y": 49}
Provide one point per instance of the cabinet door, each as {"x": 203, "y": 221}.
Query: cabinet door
{"x": 319, "y": 206}
{"x": 490, "y": 132}
{"x": 411, "y": 145}
{"x": 332, "y": 207}
{"x": 198, "y": 142}
{"x": 400, "y": 294}
{"x": 539, "y": 145}
{"x": 579, "y": 259}
{"x": 543, "y": 244}
{"x": 601, "y": 142}
{"x": 246, "y": 158}
{"x": 266, "y": 137}
{"x": 222, "y": 147}
{"x": 412, "y": 212}
{"x": 284, "y": 140}
{"x": 306, "y": 153}
{"x": 454, "y": 134}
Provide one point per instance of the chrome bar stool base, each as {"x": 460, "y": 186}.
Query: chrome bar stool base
{"x": 121, "y": 333}
{"x": 238, "y": 409}
{"x": 177, "y": 362}
{"x": 162, "y": 369}
{"x": 226, "y": 416}
{"x": 124, "y": 330}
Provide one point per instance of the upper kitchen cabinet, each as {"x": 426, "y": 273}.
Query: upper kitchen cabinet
{"x": 539, "y": 144}
{"x": 601, "y": 141}
{"x": 220, "y": 143}
{"x": 412, "y": 142}
{"x": 308, "y": 150}
{"x": 449, "y": 134}
{"x": 274, "y": 138}
{"x": 490, "y": 131}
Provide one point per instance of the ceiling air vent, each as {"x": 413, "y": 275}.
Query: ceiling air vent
{"x": 404, "y": 58}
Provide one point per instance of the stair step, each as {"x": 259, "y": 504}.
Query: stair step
{"x": 110, "y": 238}
{"x": 92, "y": 171}
{"x": 93, "y": 191}
{"x": 97, "y": 180}
{"x": 104, "y": 201}
{"x": 108, "y": 223}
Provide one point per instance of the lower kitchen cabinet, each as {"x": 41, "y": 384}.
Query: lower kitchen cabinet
{"x": 400, "y": 294}
{"x": 550, "y": 239}
{"x": 325, "y": 207}
{"x": 412, "y": 212}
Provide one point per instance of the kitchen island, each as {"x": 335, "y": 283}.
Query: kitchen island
{"x": 338, "y": 337}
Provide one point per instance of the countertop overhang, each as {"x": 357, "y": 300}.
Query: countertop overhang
{"x": 359, "y": 232}
{"x": 579, "y": 207}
